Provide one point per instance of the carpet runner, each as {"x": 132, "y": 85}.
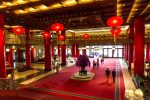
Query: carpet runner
{"x": 97, "y": 88}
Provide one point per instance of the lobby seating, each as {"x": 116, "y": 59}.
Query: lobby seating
{"x": 23, "y": 68}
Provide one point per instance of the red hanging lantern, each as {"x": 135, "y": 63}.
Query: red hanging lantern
{"x": 85, "y": 36}
{"x": 115, "y": 32}
{"x": 62, "y": 37}
{"x": 46, "y": 35}
{"x": 18, "y": 30}
{"x": 115, "y": 21}
{"x": 57, "y": 27}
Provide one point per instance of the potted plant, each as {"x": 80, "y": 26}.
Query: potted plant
{"x": 83, "y": 61}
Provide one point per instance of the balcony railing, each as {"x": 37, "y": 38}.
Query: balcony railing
{"x": 95, "y": 39}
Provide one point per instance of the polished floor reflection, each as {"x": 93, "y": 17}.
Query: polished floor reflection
{"x": 36, "y": 72}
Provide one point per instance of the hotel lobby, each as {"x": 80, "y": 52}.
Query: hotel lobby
{"x": 63, "y": 49}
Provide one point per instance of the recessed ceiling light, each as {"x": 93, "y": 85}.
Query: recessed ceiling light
{"x": 123, "y": 4}
{"x": 7, "y": 11}
{"x": 20, "y": 1}
{"x": 8, "y": 3}
{"x": 85, "y": 1}
{"x": 57, "y": 5}
{"x": 2, "y": 6}
{"x": 34, "y": 0}
{"x": 69, "y": 2}
{"x": 20, "y": 11}
{"x": 99, "y": 0}
{"x": 43, "y": 7}
{"x": 31, "y": 9}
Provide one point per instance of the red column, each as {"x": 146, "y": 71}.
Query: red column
{"x": 63, "y": 51}
{"x": 131, "y": 37}
{"x": 18, "y": 55}
{"x": 32, "y": 55}
{"x": 90, "y": 50}
{"x": 73, "y": 50}
{"x": 63, "y": 54}
{"x": 59, "y": 50}
{"x": 84, "y": 51}
{"x": 77, "y": 50}
{"x": 7, "y": 56}
{"x": 130, "y": 54}
{"x": 27, "y": 48}
{"x": 2, "y": 49}
{"x": 10, "y": 58}
{"x": 47, "y": 54}
{"x": 139, "y": 46}
{"x": 148, "y": 52}
{"x": 52, "y": 50}
{"x": 125, "y": 52}
{"x": 127, "y": 46}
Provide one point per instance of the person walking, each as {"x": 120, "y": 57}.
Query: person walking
{"x": 107, "y": 74}
{"x": 102, "y": 61}
{"x": 94, "y": 64}
{"x": 57, "y": 67}
{"x": 114, "y": 75}
{"x": 97, "y": 62}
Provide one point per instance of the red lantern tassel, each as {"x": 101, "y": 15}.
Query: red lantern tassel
{"x": 115, "y": 38}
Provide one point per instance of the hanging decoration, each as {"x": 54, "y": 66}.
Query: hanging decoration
{"x": 57, "y": 27}
{"x": 46, "y": 35}
{"x": 62, "y": 37}
{"x": 18, "y": 30}
{"x": 115, "y": 32}
{"x": 85, "y": 36}
{"x": 115, "y": 22}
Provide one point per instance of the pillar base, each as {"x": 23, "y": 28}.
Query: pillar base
{"x": 47, "y": 69}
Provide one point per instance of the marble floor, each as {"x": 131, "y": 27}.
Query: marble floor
{"x": 36, "y": 73}
{"x": 127, "y": 78}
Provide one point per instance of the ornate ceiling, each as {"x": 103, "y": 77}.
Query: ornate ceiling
{"x": 38, "y": 14}
{"x": 73, "y": 14}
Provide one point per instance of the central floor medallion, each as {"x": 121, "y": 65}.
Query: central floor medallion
{"x": 87, "y": 77}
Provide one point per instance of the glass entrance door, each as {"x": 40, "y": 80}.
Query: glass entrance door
{"x": 112, "y": 53}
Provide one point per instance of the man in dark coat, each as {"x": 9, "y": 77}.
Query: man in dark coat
{"x": 102, "y": 61}
{"x": 107, "y": 74}
{"x": 114, "y": 75}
